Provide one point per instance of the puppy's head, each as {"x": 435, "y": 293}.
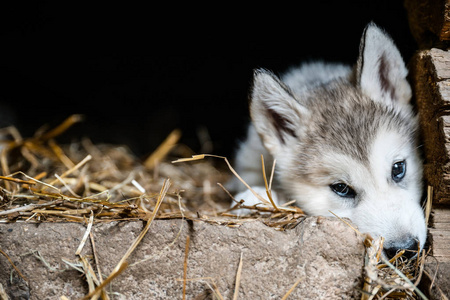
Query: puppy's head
{"x": 349, "y": 146}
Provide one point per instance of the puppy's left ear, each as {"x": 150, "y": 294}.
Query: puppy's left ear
{"x": 277, "y": 116}
{"x": 380, "y": 70}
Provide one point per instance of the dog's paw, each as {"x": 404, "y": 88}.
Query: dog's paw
{"x": 250, "y": 199}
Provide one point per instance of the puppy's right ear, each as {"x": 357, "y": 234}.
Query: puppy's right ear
{"x": 381, "y": 72}
{"x": 276, "y": 114}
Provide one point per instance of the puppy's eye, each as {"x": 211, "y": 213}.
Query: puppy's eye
{"x": 343, "y": 190}
{"x": 398, "y": 171}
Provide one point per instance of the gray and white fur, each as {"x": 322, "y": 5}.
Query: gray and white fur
{"x": 345, "y": 140}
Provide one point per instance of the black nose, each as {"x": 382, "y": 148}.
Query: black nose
{"x": 410, "y": 248}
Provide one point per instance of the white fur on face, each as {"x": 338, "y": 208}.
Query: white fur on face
{"x": 382, "y": 207}
{"x": 391, "y": 209}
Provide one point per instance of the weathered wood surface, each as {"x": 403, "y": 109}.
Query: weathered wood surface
{"x": 436, "y": 278}
{"x": 429, "y": 21}
{"x": 431, "y": 81}
{"x": 430, "y": 74}
{"x": 439, "y": 234}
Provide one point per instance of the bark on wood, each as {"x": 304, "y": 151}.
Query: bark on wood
{"x": 431, "y": 81}
{"x": 429, "y": 21}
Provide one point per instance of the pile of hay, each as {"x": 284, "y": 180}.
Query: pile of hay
{"x": 81, "y": 182}
{"x": 47, "y": 182}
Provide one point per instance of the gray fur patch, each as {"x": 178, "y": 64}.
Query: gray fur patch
{"x": 346, "y": 121}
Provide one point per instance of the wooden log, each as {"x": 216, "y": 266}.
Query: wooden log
{"x": 439, "y": 233}
{"x": 436, "y": 278}
{"x": 430, "y": 75}
{"x": 431, "y": 82}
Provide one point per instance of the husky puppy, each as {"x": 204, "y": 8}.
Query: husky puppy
{"x": 345, "y": 140}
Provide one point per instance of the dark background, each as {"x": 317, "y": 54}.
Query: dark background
{"x": 139, "y": 71}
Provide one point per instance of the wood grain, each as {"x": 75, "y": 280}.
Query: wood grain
{"x": 431, "y": 82}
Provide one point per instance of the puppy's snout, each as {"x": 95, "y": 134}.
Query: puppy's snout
{"x": 411, "y": 248}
